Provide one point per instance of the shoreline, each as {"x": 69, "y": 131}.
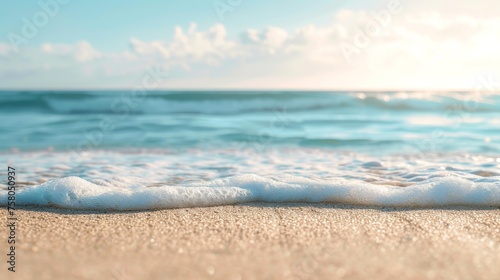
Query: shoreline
{"x": 258, "y": 241}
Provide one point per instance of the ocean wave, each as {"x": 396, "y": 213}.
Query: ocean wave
{"x": 156, "y": 179}
{"x": 77, "y": 193}
{"x": 229, "y": 102}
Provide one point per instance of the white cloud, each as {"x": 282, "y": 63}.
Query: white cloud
{"x": 271, "y": 39}
{"x": 189, "y": 46}
{"x": 85, "y": 52}
{"x": 151, "y": 48}
{"x": 81, "y": 51}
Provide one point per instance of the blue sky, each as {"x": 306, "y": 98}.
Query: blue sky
{"x": 108, "y": 25}
{"x": 257, "y": 44}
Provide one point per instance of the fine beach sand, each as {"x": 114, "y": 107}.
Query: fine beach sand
{"x": 257, "y": 241}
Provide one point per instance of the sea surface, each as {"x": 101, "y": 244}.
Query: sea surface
{"x": 129, "y": 150}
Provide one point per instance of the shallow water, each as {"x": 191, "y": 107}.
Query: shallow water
{"x": 116, "y": 150}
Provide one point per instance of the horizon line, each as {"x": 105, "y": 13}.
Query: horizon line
{"x": 240, "y": 89}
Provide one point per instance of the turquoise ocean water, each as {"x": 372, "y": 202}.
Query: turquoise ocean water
{"x": 161, "y": 149}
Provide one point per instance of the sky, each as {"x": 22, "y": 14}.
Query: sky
{"x": 250, "y": 44}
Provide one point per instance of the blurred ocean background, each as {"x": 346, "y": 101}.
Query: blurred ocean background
{"x": 371, "y": 122}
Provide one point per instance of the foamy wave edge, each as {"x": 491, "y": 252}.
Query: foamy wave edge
{"x": 77, "y": 193}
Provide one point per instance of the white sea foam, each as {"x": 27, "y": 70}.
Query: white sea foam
{"x": 132, "y": 181}
{"x": 77, "y": 193}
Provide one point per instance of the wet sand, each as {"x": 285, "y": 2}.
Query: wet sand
{"x": 257, "y": 241}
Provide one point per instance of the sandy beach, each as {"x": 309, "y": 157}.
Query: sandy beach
{"x": 257, "y": 241}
